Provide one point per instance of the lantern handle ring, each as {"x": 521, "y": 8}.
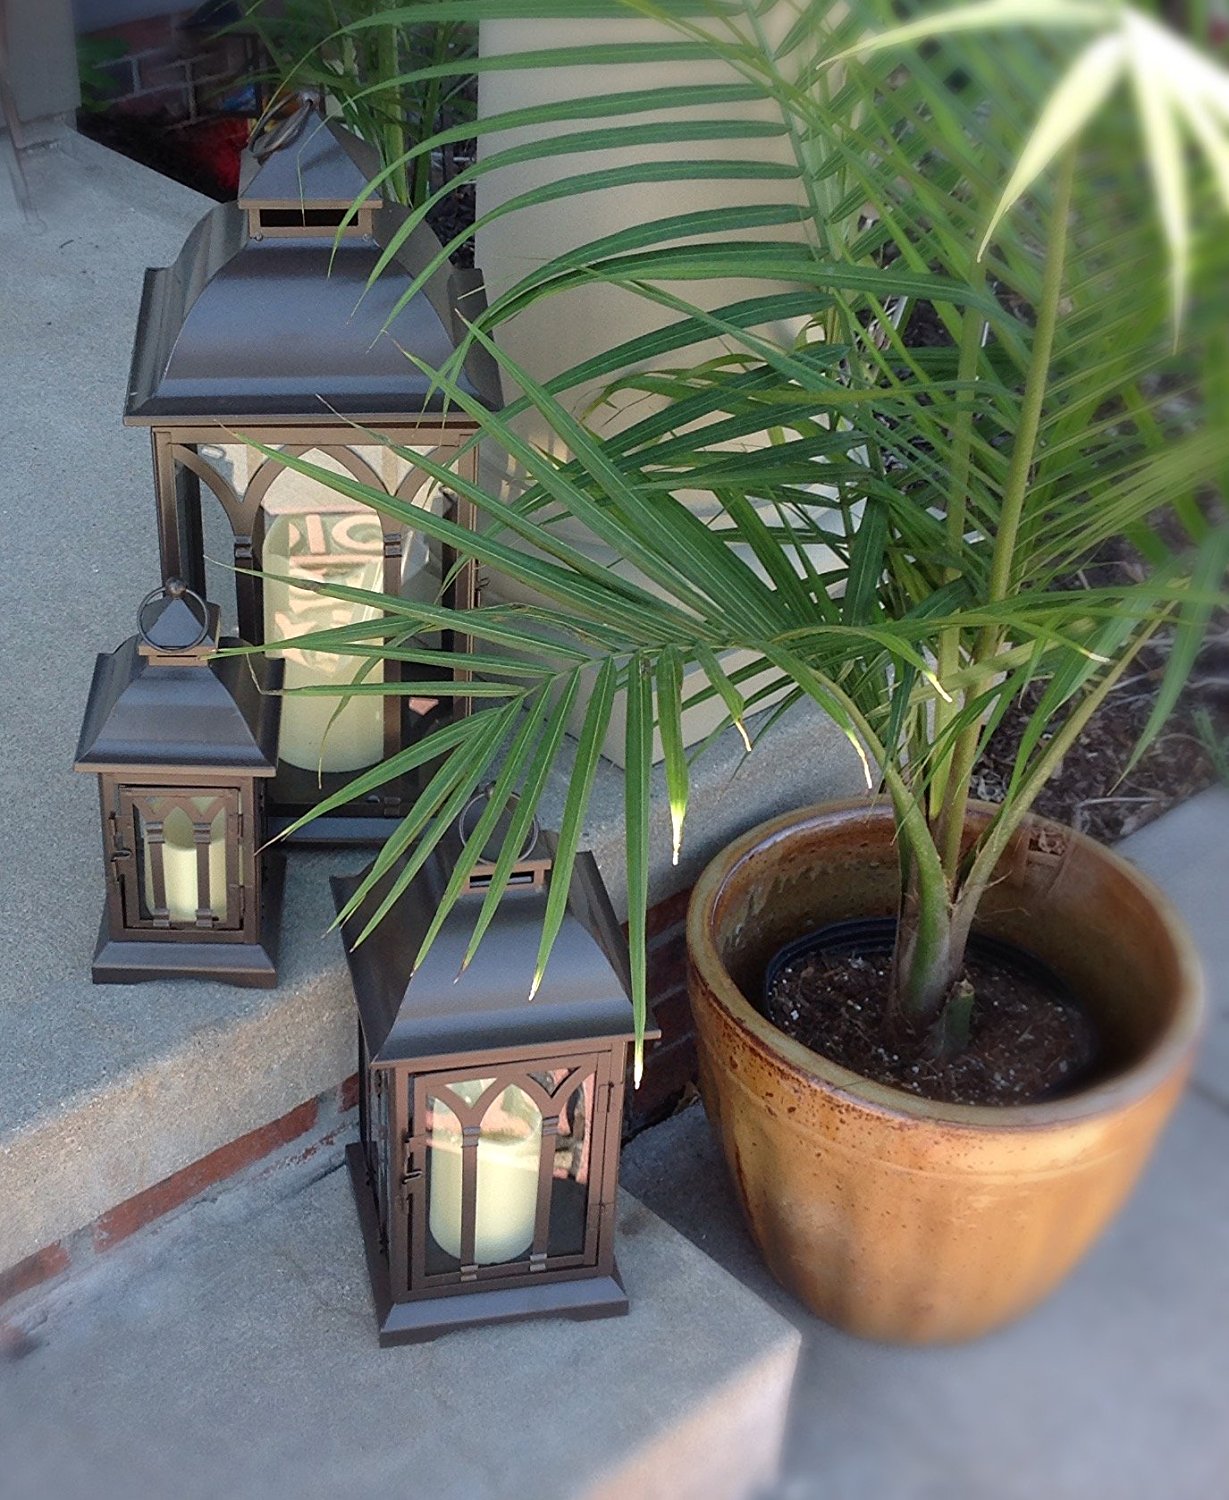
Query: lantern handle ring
{"x": 277, "y": 127}
{"x": 174, "y": 588}
{"x": 472, "y": 812}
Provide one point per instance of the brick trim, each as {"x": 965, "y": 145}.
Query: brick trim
{"x": 50, "y": 1261}
{"x": 135, "y": 1212}
{"x": 327, "y": 1113}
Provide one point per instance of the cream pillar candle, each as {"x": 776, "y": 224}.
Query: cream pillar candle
{"x": 179, "y": 867}
{"x": 313, "y": 532}
{"x": 509, "y": 1149}
{"x": 342, "y": 543}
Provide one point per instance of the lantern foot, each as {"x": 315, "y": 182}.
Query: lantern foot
{"x": 588, "y": 1296}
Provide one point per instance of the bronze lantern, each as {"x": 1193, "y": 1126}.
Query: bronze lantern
{"x": 265, "y": 329}
{"x": 182, "y": 742}
{"x": 487, "y": 1167}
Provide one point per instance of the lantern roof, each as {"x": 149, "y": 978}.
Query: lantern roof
{"x": 438, "y": 1012}
{"x": 267, "y": 312}
{"x": 306, "y": 161}
{"x": 153, "y": 714}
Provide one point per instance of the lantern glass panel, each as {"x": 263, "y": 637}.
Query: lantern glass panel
{"x": 506, "y": 1164}
{"x": 170, "y": 830}
{"x": 376, "y": 1141}
{"x": 303, "y": 529}
{"x": 572, "y": 1169}
{"x": 227, "y": 470}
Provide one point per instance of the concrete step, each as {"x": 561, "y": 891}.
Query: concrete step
{"x": 108, "y": 1093}
{"x": 232, "y": 1351}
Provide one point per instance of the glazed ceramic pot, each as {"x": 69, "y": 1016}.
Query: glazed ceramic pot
{"x": 896, "y": 1217}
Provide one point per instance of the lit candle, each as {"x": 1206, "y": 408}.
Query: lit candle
{"x": 179, "y": 866}
{"x": 313, "y": 532}
{"x": 509, "y": 1150}
{"x": 345, "y": 545}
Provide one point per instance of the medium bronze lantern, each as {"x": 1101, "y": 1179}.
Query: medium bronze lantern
{"x": 487, "y": 1167}
{"x": 266, "y": 329}
{"x": 182, "y": 743}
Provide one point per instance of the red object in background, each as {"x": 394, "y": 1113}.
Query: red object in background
{"x": 213, "y": 147}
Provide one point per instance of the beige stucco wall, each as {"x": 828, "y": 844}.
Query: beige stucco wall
{"x": 564, "y": 330}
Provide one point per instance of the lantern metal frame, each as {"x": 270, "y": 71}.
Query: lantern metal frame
{"x": 265, "y": 330}
{"x": 420, "y": 1033}
{"x": 167, "y": 726}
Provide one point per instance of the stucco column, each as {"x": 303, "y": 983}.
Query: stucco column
{"x": 565, "y": 329}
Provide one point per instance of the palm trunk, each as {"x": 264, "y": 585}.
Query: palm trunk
{"x": 924, "y": 962}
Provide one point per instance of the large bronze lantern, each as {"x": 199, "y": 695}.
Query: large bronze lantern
{"x": 266, "y": 329}
{"x": 182, "y": 742}
{"x": 487, "y": 1168}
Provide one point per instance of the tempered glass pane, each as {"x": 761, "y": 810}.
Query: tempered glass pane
{"x": 383, "y": 1177}
{"x": 314, "y": 533}
{"x": 508, "y": 1153}
{"x": 573, "y": 1162}
{"x": 180, "y": 863}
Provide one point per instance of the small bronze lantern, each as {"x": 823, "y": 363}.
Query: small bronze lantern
{"x": 182, "y": 743}
{"x": 487, "y": 1169}
{"x": 266, "y": 329}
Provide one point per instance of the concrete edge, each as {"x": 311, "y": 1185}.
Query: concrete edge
{"x": 730, "y": 1450}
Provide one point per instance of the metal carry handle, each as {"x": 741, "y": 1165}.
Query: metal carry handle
{"x": 173, "y": 588}
{"x": 280, "y": 126}
{"x": 472, "y": 812}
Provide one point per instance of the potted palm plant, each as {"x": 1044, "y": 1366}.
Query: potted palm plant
{"x": 1009, "y": 350}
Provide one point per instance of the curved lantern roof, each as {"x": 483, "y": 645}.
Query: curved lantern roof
{"x": 164, "y": 701}
{"x": 267, "y": 313}
{"x": 438, "y": 1011}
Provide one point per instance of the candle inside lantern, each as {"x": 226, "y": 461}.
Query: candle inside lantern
{"x": 315, "y": 533}
{"x": 180, "y": 866}
{"x": 342, "y": 544}
{"x": 509, "y": 1150}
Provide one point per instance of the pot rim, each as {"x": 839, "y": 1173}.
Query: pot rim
{"x": 1112, "y": 1094}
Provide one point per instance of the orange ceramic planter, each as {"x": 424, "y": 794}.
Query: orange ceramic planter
{"x": 895, "y": 1217}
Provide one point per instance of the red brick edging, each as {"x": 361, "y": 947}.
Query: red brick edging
{"x": 329, "y": 1110}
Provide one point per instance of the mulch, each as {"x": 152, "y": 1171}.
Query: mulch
{"x": 1093, "y": 791}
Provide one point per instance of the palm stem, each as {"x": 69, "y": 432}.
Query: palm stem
{"x": 1013, "y": 812}
{"x": 972, "y": 328}
{"x": 387, "y": 69}
{"x": 1023, "y": 459}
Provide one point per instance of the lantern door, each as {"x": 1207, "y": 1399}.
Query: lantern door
{"x": 506, "y": 1172}
{"x": 177, "y": 861}
{"x": 270, "y": 519}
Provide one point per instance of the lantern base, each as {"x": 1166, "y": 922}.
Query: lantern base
{"x": 250, "y": 965}
{"x": 365, "y": 822}
{"x": 600, "y": 1296}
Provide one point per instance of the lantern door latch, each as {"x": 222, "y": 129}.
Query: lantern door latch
{"x": 411, "y": 1175}
{"x": 119, "y": 849}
